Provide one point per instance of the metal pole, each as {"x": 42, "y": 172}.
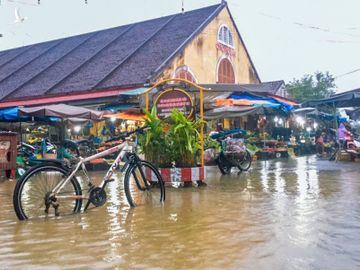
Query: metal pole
{"x": 147, "y": 101}
{"x": 202, "y": 127}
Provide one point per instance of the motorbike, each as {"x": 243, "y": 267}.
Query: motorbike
{"x": 29, "y": 155}
{"x": 351, "y": 144}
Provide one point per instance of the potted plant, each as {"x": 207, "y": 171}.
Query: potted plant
{"x": 173, "y": 144}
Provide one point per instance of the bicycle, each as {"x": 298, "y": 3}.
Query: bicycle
{"x": 54, "y": 184}
{"x": 228, "y": 159}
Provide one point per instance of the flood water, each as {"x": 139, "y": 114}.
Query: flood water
{"x": 299, "y": 213}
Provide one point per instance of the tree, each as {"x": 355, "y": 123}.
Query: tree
{"x": 310, "y": 87}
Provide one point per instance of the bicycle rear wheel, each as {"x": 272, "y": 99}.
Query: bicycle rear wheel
{"x": 245, "y": 163}
{"x": 144, "y": 185}
{"x": 31, "y": 194}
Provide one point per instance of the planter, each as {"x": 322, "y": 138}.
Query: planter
{"x": 185, "y": 176}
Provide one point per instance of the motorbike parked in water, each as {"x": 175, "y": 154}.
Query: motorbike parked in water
{"x": 233, "y": 153}
{"x": 351, "y": 144}
{"x": 42, "y": 150}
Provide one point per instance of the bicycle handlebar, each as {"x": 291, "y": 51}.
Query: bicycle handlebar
{"x": 127, "y": 134}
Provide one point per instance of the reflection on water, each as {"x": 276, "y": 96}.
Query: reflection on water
{"x": 297, "y": 214}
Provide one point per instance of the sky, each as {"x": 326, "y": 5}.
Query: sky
{"x": 286, "y": 39}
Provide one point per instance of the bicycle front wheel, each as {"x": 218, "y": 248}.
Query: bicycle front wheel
{"x": 144, "y": 185}
{"x": 31, "y": 194}
{"x": 223, "y": 164}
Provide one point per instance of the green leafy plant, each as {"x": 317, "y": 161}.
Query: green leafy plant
{"x": 184, "y": 139}
{"x": 174, "y": 139}
{"x": 153, "y": 142}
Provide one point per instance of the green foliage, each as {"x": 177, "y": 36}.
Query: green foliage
{"x": 153, "y": 141}
{"x": 184, "y": 139}
{"x": 173, "y": 139}
{"x": 211, "y": 143}
{"x": 310, "y": 87}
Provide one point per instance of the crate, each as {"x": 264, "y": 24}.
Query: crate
{"x": 344, "y": 156}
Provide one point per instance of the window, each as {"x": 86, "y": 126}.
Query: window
{"x": 225, "y": 72}
{"x": 184, "y": 72}
{"x": 225, "y": 36}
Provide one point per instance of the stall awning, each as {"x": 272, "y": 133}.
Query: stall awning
{"x": 127, "y": 116}
{"x": 247, "y": 99}
{"x": 61, "y": 111}
{"x": 135, "y": 92}
{"x": 342, "y": 100}
{"x": 232, "y": 111}
{"x": 9, "y": 114}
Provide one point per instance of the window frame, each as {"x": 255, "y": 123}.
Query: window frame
{"x": 230, "y": 35}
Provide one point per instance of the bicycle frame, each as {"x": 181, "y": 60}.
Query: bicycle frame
{"x": 121, "y": 148}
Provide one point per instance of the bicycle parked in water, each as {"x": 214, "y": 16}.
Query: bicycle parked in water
{"x": 233, "y": 152}
{"x": 52, "y": 188}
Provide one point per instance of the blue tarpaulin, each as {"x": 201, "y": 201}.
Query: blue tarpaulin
{"x": 271, "y": 102}
{"x": 10, "y": 114}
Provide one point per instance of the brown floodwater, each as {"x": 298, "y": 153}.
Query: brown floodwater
{"x": 299, "y": 213}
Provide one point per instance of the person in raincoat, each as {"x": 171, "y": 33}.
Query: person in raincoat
{"x": 342, "y": 134}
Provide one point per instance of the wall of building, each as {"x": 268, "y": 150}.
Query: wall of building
{"x": 203, "y": 54}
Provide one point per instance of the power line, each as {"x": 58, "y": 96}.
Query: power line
{"x": 347, "y": 73}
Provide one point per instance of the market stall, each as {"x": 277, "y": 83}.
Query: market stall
{"x": 266, "y": 120}
{"x": 350, "y": 100}
{"x": 45, "y": 131}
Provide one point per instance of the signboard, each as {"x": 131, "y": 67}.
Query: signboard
{"x": 174, "y": 99}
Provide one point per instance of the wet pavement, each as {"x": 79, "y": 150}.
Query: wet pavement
{"x": 299, "y": 213}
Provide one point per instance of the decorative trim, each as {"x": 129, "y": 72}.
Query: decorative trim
{"x": 222, "y": 41}
{"x": 187, "y": 69}
{"x": 182, "y": 175}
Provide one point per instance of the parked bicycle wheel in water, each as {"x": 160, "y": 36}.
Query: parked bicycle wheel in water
{"x": 223, "y": 164}
{"x": 32, "y": 195}
{"x": 51, "y": 189}
{"x": 143, "y": 184}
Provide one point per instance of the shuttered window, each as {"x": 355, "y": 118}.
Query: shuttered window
{"x": 226, "y": 72}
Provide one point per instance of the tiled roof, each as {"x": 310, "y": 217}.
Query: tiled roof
{"x": 121, "y": 56}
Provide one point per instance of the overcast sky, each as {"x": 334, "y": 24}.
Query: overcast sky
{"x": 285, "y": 38}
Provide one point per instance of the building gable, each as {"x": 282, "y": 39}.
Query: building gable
{"x": 205, "y": 52}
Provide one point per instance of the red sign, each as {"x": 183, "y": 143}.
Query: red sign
{"x": 174, "y": 99}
